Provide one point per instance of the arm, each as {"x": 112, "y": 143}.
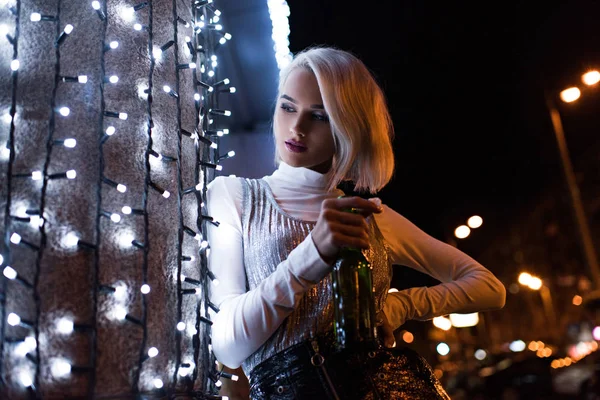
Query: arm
{"x": 466, "y": 285}
{"x": 247, "y": 319}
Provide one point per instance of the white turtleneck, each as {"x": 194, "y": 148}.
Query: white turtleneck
{"x": 247, "y": 319}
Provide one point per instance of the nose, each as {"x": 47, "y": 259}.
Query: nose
{"x": 298, "y": 126}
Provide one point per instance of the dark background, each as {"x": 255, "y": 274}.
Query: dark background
{"x": 465, "y": 84}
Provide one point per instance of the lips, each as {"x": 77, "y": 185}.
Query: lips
{"x": 295, "y": 147}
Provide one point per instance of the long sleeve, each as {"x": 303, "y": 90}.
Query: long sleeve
{"x": 466, "y": 285}
{"x": 248, "y": 318}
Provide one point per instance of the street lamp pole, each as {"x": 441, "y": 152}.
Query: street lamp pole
{"x": 581, "y": 220}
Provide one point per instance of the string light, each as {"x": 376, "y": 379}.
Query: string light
{"x": 63, "y": 35}
{"x": 98, "y": 7}
{"x": 62, "y": 367}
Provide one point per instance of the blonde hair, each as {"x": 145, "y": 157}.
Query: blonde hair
{"x": 360, "y": 122}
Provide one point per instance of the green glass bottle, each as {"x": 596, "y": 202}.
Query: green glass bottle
{"x": 353, "y": 300}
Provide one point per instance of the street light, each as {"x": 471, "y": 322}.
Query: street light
{"x": 535, "y": 283}
{"x": 591, "y": 78}
{"x": 569, "y": 95}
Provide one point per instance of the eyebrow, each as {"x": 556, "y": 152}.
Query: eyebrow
{"x": 319, "y": 106}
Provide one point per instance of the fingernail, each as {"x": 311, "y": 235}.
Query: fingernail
{"x": 376, "y": 201}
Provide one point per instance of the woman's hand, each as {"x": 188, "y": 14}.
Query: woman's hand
{"x": 337, "y": 228}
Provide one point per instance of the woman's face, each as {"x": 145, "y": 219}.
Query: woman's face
{"x": 302, "y": 131}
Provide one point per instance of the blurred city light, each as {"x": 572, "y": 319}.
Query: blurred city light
{"x": 570, "y": 95}
{"x": 475, "y": 221}
{"x": 577, "y": 300}
{"x": 442, "y": 322}
{"x": 535, "y": 283}
{"x": 517, "y": 346}
{"x": 524, "y": 278}
{"x": 408, "y": 337}
{"x": 596, "y": 333}
{"x": 464, "y": 320}
{"x": 532, "y": 282}
{"x": 480, "y": 354}
{"x": 591, "y": 78}
{"x": 462, "y": 232}
{"x": 443, "y": 349}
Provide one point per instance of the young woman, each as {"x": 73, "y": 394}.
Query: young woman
{"x": 279, "y": 236}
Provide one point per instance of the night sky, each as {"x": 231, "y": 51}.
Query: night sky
{"x": 465, "y": 84}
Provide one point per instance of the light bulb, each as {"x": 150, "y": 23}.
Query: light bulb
{"x": 157, "y": 52}
{"x": 7, "y": 118}
{"x": 70, "y": 240}
{"x": 25, "y": 379}
{"x": 126, "y": 210}
{"x": 123, "y": 116}
{"x": 114, "y": 79}
{"x": 167, "y": 89}
{"x": 36, "y": 175}
{"x": 197, "y": 97}
{"x": 145, "y": 289}
{"x": 127, "y": 13}
{"x": 9, "y": 272}
{"x": 96, "y": 5}
{"x": 15, "y": 238}
{"x": 14, "y": 65}
{"x": 60, "y": 367}
{"x": 137, "y": 27}
{"x": 65, "y": 326}
{"x": 152, "y": 352}
{"x": 1, "y": 259}
{"x": 232, "y": 89}
{"x": 222, "y": 40}
{"x": 114, "y": 44}
{"x": 166, "y": 194}
{"x": 158, "y": 383}
{"x": 82, "y": 78}
{"x": 121, "y": 292}
{"x": 68, "y": 29}
{"x": 13, "y": 319}
{"x": 35, "y": 17}
{"x": 211, "y": 73}
{"x": 110, "y": 131}
{"x": 71, "y": 174}
{"x": 120, "y": 313}
{"x": 115, "y": 217}
{"x": 227, "y": 36}
{"x": 70, "y": 143}
{"x": 181, "y": 326}
{"x": 64, "y": 111}
{"x": 121, "y": 188}
{"x": 231, "y": 153}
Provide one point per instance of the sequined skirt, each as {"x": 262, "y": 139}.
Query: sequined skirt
{"x": 310, "y": 370}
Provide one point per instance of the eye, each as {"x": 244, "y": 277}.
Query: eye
{"x": 286, "y": 107}
{"x": 321, "y": 117}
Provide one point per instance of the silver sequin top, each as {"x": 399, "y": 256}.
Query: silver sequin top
{"x": 269, "y": 235}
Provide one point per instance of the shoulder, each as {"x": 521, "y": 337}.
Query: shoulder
{"x": 224, "y": 197}
{"x": 225, "y": 186}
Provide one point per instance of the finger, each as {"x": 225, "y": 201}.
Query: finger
{"x": 363, "y": 206}
{"x": 341, "y": 240}
{"x": 387, "y": 333}
{"x": 342, "y": 217}
{"x": 350, "y": 230}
